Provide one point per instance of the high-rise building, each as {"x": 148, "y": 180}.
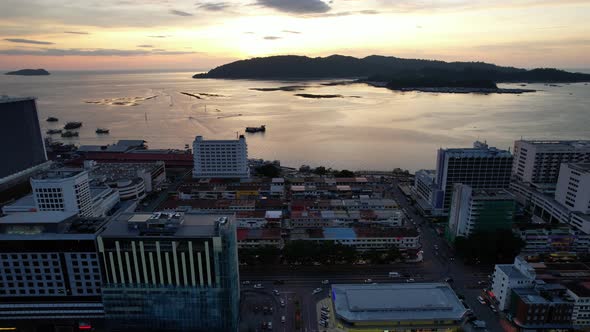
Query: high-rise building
{"x": 49, "y": 272}
{"x": 573, "y": 187}
{"x": 539, "y": 161}
{"x": 220, "y": 158}
{"x": 474, "y": 210}
{"x": 170, "y": 272}
{"x": 480, "y": 167}
{"x": 22, "y": 142}
{"x": 63, "y": 189}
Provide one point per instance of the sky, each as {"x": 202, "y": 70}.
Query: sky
{"x": 199, "y": 35}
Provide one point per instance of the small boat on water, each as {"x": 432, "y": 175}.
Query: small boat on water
{"x": 72, "y": 125}
{"x": 102, "y": 131}
{"x": 260, "y": 129}
{"x": 70, "y": 134}
{"x": 52, "y": 119}
{"x": 53, "y": 131}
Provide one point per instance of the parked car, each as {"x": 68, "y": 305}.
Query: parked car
{"x": 258, "y": 286}
{"x": 481, "y": 300}
{"x": 410, "y": 280}
{"x": 245, "y": 282}
{"x": 275, "y": 292}
{"x": 317, "y": 291}
{"x": 325, "y": 282}
{"x": 283, "y": 319}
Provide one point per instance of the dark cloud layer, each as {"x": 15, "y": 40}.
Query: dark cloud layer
{"x": 213, "y": 6}
{"x": 89, "y": 52}
{"x": 27, "y": 41}
{"x": 77, "y": 32}
{"x": 296, "y": 6}
{"x": 179, "y": 12}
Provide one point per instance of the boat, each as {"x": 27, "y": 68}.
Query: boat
{"x": 102, "y": 131}
{"x": 52, "y": 119}
{"x": 72, "y": 125}
{"x": 53, "y": 131}
{"x": 260, "y": 129}
{"x": 70, "y": 134}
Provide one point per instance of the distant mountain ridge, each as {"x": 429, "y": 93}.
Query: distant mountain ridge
{"x": 385, "y": 69}
{"x": 29, "y": 72}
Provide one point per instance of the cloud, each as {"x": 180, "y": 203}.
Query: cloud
{"x": 28, "y": 41}
{"x": 213, "y": 6}
{"x": 89, "y": 52}
{"x": 271, "y": 37}
{"x": 248, "y": 32}
{"x": 179, "y": 12}
{"x": 159, "y": 36}
{"x": 145, "y": 46}
{"x": 296, "y": 6}
{"x": 77, "y": 32}
{"x": 291, "y": 31}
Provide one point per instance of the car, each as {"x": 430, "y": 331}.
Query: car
{"x": 394, "y": 274}
{"x": 494, "y": 310}
{"x": 368, "y": 281}
{"x": 269, "y": 325}
{"x": 276, "y": 292}
{"x": 282, "y": 303}
{"x": 448, "y": 279}
{"x": 258, "y": 286}
{"x": 325, "y": 282}
{"x": 481, "y": 300}
{"x": 482, "y": 282}
{"x": 325, "y": 307}
{"x": 410, "y": 280}
{"x": 245, "y": 282}
{"x": 317, "y": 291}
{"x": 283, "y": 319}
{"x": 326, "y": 310}
{"x": 436, "y": 246}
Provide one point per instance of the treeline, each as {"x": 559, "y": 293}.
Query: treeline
{"x": 311, "y": 252}
{"x": 499, "y": 247}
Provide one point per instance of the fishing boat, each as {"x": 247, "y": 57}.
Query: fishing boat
{"x": 102, "y": 131}
{"x": 52, "y": 119}
{"x": 53, "y": 131}
{"x": 70, "y": 134}
{"x": 260, "y": 129}
{"x": 72, "y": 125}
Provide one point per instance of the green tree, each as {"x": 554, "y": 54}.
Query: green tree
{"x": 268, "y": 170}
{"x": 321, "y": 170}
{"x": 489, "y": 247}
{"x": 344, "y": 174}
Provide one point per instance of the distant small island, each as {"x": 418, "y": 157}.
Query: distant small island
{"x": 29, "y": 72}
{"x": 391, "y": 72}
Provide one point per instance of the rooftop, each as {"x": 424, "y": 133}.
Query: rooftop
{"x": 7, "y": 99}
{"x": 567, "y": 144}
{"x": 58, "y": 174}
{"x": 119, "y": 171}
{"x": 43, "y": 217}
{"x": 511, "y": 271}
{"x": 396, "y": 302}
{"x": 192, "y": 225}
{"x": 580, "y": 167}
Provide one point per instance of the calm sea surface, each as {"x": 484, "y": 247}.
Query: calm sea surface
{"x": 369, "y": 128}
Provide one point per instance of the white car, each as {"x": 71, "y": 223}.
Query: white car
{"x": 325, "y": 282}
{"x": 275, "y": 292}
{"x": 481, "y": 300}
{"x": 368, "y": 281}
{"x": 283, "y": 319}
{"x": 317, "y": 291}
{"x": 258, "y": 286}
{"x": 282, "y": 303}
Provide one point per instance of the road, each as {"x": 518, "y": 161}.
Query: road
{"x": 438, "y": 264}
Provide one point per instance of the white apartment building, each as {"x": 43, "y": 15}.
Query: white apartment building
{"x": 63, "y": 189}
{"x": 538, "y": 161}
{"x": 480, "y": 167}
{"x": 580, "y": 294}
{"x": 509, "y": 276}
{"x": 573, "y": 187}
{"x": 220, "y": 158}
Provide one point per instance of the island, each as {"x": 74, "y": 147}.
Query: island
{"x": 391, "y": 72}
{"x": 29, "y": 72}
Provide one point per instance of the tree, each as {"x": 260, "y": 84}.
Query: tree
{"x": 321, "y": 170}
{"x": 500, "y": 246}
{"x": 344, "y": 174}
{"x": 268, "y": 170}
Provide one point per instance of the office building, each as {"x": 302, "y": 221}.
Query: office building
{"x": 427, "y": 193}
{"x": 480, "y": 167}
{"x": 484, "y": 210}
{"x": 22, "y": 142}
{"x": 362, "y": 238}
{"x": 63, "y": 189}
{"x": 397, "y": 307}
{"x": 220, "y": 158}
{"x": 539, "y": 161}
{"x": 170, "y": 272}
{"x": 579, "y": 293}
{"x": 507, "y": 277}
{"x": 49, "y": 272}
{"x": 573, "y": 187}
{"x": 542, "y": 308}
